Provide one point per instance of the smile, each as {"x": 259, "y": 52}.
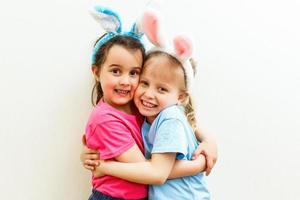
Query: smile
{"x": 148, "y": 104}
{"x": 122, "y": 92}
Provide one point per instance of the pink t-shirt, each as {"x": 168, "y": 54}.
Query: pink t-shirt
{"x": 113, "y": 132}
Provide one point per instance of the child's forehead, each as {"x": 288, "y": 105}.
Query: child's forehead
{"x": 162, "y": 71}
{"x": 160, "y": 63}
{"x": 120, "y": 55}
{"x": 157, "y": 61}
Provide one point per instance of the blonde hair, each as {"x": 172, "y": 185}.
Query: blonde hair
{"x": 188, "y": 103}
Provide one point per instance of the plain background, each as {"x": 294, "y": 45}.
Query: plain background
{"x": 247, "y": 93}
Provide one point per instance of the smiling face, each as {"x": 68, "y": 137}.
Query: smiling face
{"x": 161, "y": 85}
{"x": 119, "y": 76}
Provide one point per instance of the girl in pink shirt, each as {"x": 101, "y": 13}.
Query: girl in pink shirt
{"x": 114, "y": 124}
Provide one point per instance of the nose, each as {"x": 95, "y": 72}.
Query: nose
{"x": 149, "y": 94}
{"x": 124, "y": 80}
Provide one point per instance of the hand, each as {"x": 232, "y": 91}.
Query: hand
{"x": 98, "y": 172}
{"x": 89, "y": 157}
{"x": 208, "y": 148}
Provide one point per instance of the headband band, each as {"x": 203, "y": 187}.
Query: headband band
{"x": 181, "y": 48}
{"x": 111, "y": 23}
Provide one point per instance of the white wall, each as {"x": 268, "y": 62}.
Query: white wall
{"x": 248, "y": 94}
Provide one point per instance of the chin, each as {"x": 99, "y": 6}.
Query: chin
{"x": 142, "y": 112}
{"x": 146, "y": 113}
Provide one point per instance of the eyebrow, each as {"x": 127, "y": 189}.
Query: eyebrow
{"x": 163, "y": 85}
{"x": 114, "y": 65}
{"x": 117, "y": 65}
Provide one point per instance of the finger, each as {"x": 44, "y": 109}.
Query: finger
{"x": 90, "y": 151}
{"x": 209, "y": 166}
{"x": 91, "y": 163}
{"x": 194, "y": 157}
{"x": 89, "y": 167}
{"x": 91, "y": 157}
{"x": 200, "y": 152}
{"x": 215, "y": 160}
{"x": 83, "y": 139}
{"x": 94, "y": 156}
{"x": 197, "y": 152}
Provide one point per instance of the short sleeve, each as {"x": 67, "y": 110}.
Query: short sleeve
{"x": 170, "y": 138}
{"x": 111, "y": 138}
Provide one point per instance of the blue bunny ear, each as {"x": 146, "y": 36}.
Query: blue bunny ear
{"x": 136, "y": 31}
{"x": 108, "y": 19}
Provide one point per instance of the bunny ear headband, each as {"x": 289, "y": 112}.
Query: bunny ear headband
{"x": 181, "y": 48}
{"x": 111, "y": 23}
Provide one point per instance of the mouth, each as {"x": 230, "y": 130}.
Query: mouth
{"x": 148, "y": 104}
{"x": 122, "y": 92}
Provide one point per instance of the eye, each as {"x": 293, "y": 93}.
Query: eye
{"x": 162, "y": 90}
{"x": 134, "y": 73}
{"x": 116, "y": 71}
{"x": 144, "y": 83}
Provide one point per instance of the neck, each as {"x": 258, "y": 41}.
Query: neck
{"x": 127, "y": 108}
{"x": 150, "y": 119}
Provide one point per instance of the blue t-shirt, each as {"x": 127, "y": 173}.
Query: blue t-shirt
{"x": 171, "y": 132}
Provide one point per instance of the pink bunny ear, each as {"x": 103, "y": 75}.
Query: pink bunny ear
{"x": 150, "y": 27}
{"x": 183, "y": 47}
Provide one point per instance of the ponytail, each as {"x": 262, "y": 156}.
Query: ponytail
{"x": 190, "y": 112}
{"x": 98, "y": 91}
{"x": 189, "y": 108}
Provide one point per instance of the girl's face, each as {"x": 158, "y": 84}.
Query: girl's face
{"x": 161, "y": 85}
{"x": 119, "y": 76}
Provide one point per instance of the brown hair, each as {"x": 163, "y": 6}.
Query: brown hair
{"x": 127, "y": 42}
{"x": 188, "y": 103}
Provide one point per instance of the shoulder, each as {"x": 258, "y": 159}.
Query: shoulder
{"x": 172, "y": 117}
{"x": 174, "y": 112}
{"x": 102, "y": 113}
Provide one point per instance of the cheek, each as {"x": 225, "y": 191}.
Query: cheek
{"x": 168, "y": 100}
{"x": 104, "y": 82}
{"x": 136, "y": 97}
{"x": 137, "y": 92}
{"x": 135, "y": 83}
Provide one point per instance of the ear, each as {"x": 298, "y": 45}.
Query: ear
{"x": 108, "y": 19}
{"x": 182, "y": 98}
{"x": 150, "y": 26}
{"x": 183, "y": 47}
{"x": 96, "y": 72}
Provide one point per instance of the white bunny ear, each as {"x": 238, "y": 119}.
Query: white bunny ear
{"x": 108, "y": 19}
{"x": 150, "y": 26}
{"x": 183, "y": 47}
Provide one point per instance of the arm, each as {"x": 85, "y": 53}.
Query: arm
{"x": 112, "y": 138}
{"x": 155, "y": 171}
{"x": 204, "y": 159}
{"x": 183, "y": 168}
{"x": 132, "y": 155}
{"x": 88, "y": 157}
{"x": 208, "y": 148}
